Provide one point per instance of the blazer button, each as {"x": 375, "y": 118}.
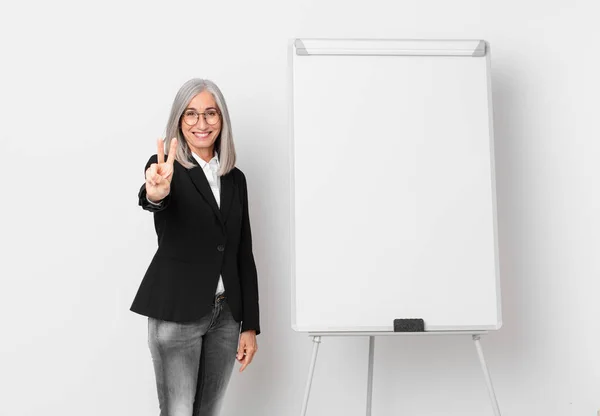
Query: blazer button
{"x": 221, "y": 247}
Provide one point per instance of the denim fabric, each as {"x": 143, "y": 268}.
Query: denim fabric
{"x": 193, "y": 361}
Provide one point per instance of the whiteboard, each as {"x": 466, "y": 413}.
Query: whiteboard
{"x": 393, "y": 208}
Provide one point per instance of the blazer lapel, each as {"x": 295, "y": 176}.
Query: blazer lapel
{"x": 201, "y": 184}
{"x": 227, "y": 188}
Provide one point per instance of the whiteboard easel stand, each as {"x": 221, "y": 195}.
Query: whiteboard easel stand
{"x": 316, "y": 336}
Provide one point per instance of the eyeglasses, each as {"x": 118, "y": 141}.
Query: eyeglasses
{"x": 191, "y": 117}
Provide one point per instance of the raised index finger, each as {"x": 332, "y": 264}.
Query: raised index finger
{"x": 172, "y": 150}
{"x": 160, "y": 151}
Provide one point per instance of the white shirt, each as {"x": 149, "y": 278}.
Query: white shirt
{"x": 210, "y": 170}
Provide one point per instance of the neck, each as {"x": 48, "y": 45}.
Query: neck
{"x": 205, "y": 154}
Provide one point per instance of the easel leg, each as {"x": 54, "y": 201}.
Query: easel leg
{"x": 486, "y": 373}
{"x": 370, "y": 375}
{"x": 311, "y": 371}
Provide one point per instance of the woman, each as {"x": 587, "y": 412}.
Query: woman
{"x": 200, "y": 292}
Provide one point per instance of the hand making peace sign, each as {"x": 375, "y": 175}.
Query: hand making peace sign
{"x": 159, "y": 175}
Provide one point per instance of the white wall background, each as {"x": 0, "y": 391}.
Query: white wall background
{"x": 84, "y": 93}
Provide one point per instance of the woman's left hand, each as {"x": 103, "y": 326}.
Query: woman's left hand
{"x": 247, "y": 348}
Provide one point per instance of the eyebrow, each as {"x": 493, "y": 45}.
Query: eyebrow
{"x": 207, "y": 108}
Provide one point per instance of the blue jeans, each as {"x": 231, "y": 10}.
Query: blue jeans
{"x": 193, "y": 361}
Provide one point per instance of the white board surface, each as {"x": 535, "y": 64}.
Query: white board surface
{"x": 393, "y": 195}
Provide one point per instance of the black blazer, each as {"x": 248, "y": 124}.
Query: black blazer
{"x": 197, "y": 241}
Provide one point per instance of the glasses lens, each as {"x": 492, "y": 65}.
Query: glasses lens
{"x": 212, "y": 117}
{"x": 190, "y": 118}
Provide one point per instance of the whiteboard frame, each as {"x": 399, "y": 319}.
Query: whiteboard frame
{"x": 389, "y": 47}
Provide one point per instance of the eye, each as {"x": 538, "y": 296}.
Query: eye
{"x": 190, "y": 113}
{"x": 211, "y": 113}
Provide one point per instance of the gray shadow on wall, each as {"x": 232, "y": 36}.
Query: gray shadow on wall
{"x": 506, "y": 346}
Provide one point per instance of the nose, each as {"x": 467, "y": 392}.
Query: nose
{"x": 201, "y": 122}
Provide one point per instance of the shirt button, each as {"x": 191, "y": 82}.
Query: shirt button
{"x": 221, "y": 247}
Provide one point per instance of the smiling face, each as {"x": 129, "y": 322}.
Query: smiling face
{"x": 201, "y": 136}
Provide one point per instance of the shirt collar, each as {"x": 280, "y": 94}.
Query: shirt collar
{"x": 203, "y": 163}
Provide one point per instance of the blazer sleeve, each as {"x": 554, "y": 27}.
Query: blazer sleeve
{"x": 247, "y": 269}
{"x": 142, "y": 199}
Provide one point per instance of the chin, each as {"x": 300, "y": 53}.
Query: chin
{"x": 200, "y": 144}
{"x": 204, "y": 145}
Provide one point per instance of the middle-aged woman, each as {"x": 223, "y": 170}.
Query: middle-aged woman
{"x": 200, "y": 292}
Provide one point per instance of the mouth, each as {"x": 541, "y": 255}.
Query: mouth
{"x": 202, "y": 135}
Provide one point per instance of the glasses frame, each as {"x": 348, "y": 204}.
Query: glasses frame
{"x": 203, "y": 115}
